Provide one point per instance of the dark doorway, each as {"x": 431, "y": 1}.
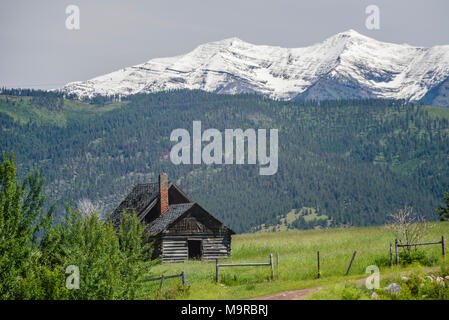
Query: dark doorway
{"x": 194, "y": 249}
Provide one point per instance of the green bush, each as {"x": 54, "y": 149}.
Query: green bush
{"x": 351, "y": 292}
{"x": 382, "y": 261}
{"x": 172, "y": 293}
{"x": 20, "y": 211}
{"x": 444, "y": 271}
{"x": 415, "y": 256}
{"x": 419, "y": 286}
{"x": 111, "y": 264}
{"x": 413, "y": 283}
{"x": 43, "y": 283}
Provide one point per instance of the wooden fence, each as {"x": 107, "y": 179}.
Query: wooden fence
{"x": 182, "y": 275}
{"x": 318, "y": 263}
{"x": 397, "y": 246}
{"x": 350, "y": 263}
{"x": 256, "y": 264}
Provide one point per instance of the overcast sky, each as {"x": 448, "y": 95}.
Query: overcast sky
{"x": 38, "y": 51}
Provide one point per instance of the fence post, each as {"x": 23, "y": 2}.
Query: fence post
{"x": 277, "y": 263}
{"x": 444, "y": 247}
{"x": 160, "y": 285}
{"x": 318, "y": 262}
{"x": 272, "y": 266}
{"x": 216, "y": 270}
{"x": 391, "y": 255}
{"x": 183, "y": 276}
{"x": 350, "y": 263}
{"x": 397, "y": 251}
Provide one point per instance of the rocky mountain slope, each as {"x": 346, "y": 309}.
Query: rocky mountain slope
{"x": 346, "y": 65}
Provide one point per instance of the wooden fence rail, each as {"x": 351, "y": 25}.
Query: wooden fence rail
{"x": 182, "y": 275}
{"x": 254, "y": 264}
{"x": 397, "y": 246}
{"x": 418, "y": 244}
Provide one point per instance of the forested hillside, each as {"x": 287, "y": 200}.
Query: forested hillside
{"x": 353, "y": 161}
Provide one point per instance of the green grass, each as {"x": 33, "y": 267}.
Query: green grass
{"x": 351, "y": 290}
{"x": 23, "y": 111}
{"x": 309, "y": 214}
{"x": 297, "y": 251}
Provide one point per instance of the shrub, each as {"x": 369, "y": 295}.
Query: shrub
{"x": 415, "y": 256}
{"x": 382, "y": 261}
{"x": 111, "y": 266}
{"x": 172, "y": 293}
{"x": 419, "y": 286}
{"x": 43, "y": 283}
{"x": 20, "y": 211}
{"x": 351, "y": 292}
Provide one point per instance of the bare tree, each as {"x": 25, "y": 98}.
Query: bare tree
{"x": 407, "y": 227}
{"x": 87, "y": 207}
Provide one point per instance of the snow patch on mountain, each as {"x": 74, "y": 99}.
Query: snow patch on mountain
{"x": 233, "y": 66}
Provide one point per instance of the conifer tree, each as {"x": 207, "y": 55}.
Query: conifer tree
{"x": 444, "y": 211}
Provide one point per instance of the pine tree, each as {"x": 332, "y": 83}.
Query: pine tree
{"x": 444, "y": 212}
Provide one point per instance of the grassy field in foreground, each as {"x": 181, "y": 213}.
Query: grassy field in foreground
{"x": 297, "y": 252}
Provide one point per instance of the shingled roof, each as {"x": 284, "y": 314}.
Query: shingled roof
{"x": 144, "y": 197}
{"x": 173, "y": 212}
{"x": 137, "y": 200}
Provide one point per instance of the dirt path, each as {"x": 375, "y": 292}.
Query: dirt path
{"x": 300, "y": 294}
{"x": 289, "y": 295}
{"x": 303, "y": 293}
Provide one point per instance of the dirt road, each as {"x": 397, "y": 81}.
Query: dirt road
{"x": 289, "y": 295}
{"x": 303, "y": 293}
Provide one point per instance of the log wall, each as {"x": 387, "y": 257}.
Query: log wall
{"x": 175, "y": 247}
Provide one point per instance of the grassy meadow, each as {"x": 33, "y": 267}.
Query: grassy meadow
{"x": 22, "y": 111}
{"x": 297, "y": 268}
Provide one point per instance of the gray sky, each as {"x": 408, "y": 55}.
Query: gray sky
{"x": 37, "y": 51}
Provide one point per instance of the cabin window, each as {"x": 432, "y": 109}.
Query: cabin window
{"x": 194, "y": 249}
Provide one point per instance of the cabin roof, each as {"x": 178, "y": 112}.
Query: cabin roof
{"x": 143, "y": 197}
{"x": 140, "y": 197}
{"x": 173, "y": 212}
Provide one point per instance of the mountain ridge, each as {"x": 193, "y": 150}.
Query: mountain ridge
{"x": 376, "y": 69}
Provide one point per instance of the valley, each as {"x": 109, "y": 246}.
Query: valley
{"x": 351, "y": 161}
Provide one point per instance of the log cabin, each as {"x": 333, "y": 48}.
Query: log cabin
{"x": 179, "y": 228}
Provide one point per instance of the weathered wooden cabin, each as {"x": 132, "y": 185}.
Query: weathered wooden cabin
{"x": 181, "y": 229}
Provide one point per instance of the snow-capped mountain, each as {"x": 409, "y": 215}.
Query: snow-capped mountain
{"x": 346, "y": 65}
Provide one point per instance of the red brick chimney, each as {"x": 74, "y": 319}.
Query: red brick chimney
{"x": 163, "y": 192}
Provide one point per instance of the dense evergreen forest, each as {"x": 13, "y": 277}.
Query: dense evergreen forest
{"x": 354, "y": 161}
